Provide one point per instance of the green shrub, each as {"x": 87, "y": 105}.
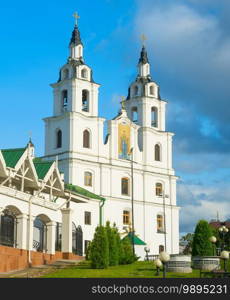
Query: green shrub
{"x": 113, "y": 247}
{"x": 127, "y": 256}
{"x": 99, "y": 250}
{"x": 201, "y": 246}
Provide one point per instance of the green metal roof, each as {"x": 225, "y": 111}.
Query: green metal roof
{"x": 42, "y": 167}
{"x": 12, "y": 156}
{"x": 81, "y": 191}
{"x": 137, "y": 240}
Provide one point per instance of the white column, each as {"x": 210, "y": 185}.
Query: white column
{"x": 67, "y": 230}
{"x": 30, "y": 230}
{"x": 22, "y": 231}
{"x": 51, "y": 234}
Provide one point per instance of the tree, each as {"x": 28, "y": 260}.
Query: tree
{"x": 201, "y": 245}
{"x": 113, "y": 245}
{"x": 127, "y": 256}
{"x": 99, "y": 250}
{"x": 188, "y": 239}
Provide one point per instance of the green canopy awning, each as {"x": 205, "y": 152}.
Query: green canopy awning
{"x": 137, "y": 240}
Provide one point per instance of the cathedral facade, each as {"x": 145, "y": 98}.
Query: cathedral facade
{"x": 132, "y": 165}
{"x": 50, "y": 206}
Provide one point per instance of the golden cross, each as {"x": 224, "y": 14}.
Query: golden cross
{"x": 123, "y": 102}
{"x": 76, "y": 17}
{"x": 143, "y": 38}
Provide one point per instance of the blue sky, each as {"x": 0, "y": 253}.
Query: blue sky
{"x": 189, "y": 49}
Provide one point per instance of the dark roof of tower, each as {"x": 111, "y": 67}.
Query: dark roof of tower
{"x": 76, "y": 38}
{"x": 144, "y": 56}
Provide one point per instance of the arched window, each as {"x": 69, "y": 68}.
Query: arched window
{"x": 125, "y": 186}
{"x": 39, "y": 235}
{"x": 160, "y": 223}
{"x": 85, "y": 100}
{"x": 86, "y": 139}
{"x": 66, "y": 74}
{"x": 157, "y": 152}
{"x": 64, "y": 99}
{"x": 135, "y": 90}
{"x": 84, "y": 73}
{"x": 126, "y": 217}
{"x": 80, "y": 51}
{"x": 154, "y": 117}
{"x": 159, "y": 189}
{"x": 74, "y": 238}
{"x": 59, "y": 139}
{"x": 58, "y": 237}
{"x": 8, "y": 228}
{"x": 151, "y": 90}
{"x": 88, "y": 178}
{"x": 134, "y": 114}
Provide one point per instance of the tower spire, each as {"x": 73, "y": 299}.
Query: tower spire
{"x": 76, "y": 45}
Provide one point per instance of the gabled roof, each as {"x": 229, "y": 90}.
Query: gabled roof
{"x": 42, "y": 167}
{"x": 137, "y": 240}
{"x": 12, "y": 156}
{"x": 79, "y": 190}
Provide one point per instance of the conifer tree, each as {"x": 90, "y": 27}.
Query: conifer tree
{"x": 113, "y": 247}
{"x": 201, "y": 245}
{"x": 99, "y": 250}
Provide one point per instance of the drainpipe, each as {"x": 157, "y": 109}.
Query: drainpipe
{"x": 101, "y": 204}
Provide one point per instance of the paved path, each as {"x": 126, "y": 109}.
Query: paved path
{"x": 39, "y": 271}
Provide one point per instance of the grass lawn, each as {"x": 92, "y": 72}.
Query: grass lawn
{"x": 140, "y": 269}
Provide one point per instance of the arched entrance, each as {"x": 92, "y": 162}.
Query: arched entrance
{"x": 39, "y": 234}
{"x": 74, "y": 238}
{"x": 77, "y": 240}
{"x": 8, "y": 228}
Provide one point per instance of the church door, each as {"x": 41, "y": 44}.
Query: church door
{"x": 79, "y": 239}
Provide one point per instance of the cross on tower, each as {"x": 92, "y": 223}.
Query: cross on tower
{"x": 143, "y": 39}
{"x": 122, "y": 102}
{"x": 76, "y": 17}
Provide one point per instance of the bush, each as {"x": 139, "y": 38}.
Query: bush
{"x": 99, "y": 249}
{"x": 201, "y": 245}
{"x": 113, "y": 245}
{"x": 127, "y": 256}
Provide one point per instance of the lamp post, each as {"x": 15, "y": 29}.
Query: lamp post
{"x": 164, "y": 257}
{"x": 213, "y": 240}
{"x": 164, "y": 196}
{"x": 223, "y": 230}
{"x": 225, "y": 256}
{"x": 132, "y": 196}
{"x": 158, "y": 265}
{"x": 147, "y": 250}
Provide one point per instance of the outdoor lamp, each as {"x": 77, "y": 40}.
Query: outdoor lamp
{"x": 213, "y": 240}
{"x": 221, "y": 229}
{"x": 158, "y": 264}
{"x": 225, "y": 229}
{"x": 164, "y": 257}
{"x": 147, "y": 250}
{"x": 225, "y": 256}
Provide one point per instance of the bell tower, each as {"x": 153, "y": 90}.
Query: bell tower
{"x": 75, "y": 90}
{"x": 75, "y": 108}
{"x": 143, "y": 104}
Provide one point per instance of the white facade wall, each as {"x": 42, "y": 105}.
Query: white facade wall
{"x": 102, "y": 160}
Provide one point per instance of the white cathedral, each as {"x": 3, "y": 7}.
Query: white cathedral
{"x": 50, "y": 206}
